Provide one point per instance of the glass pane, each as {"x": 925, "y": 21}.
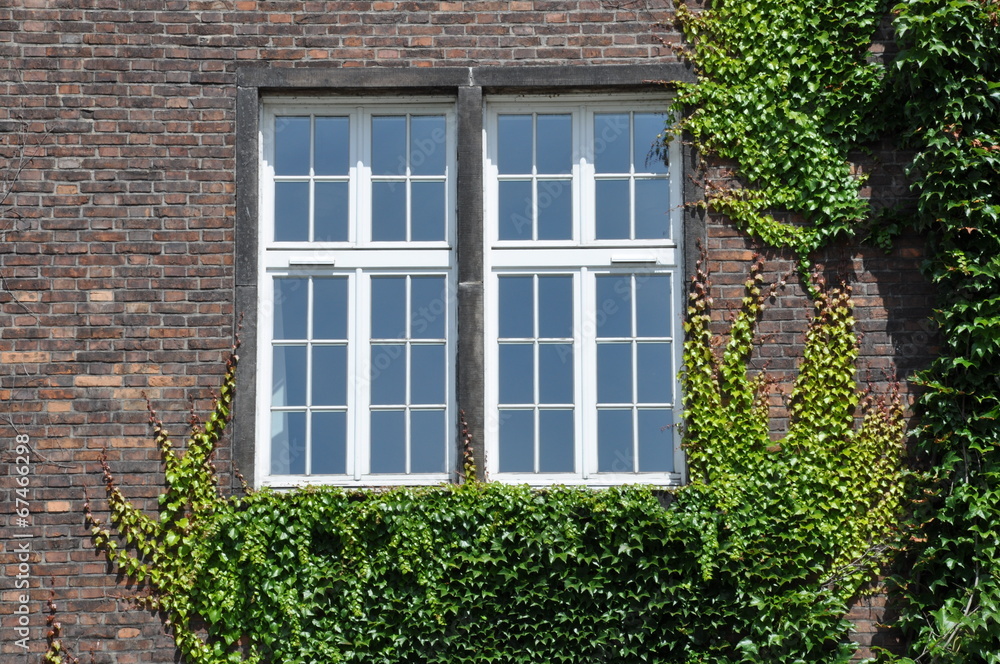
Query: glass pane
{"x": 288, "y": 376}
{"x": 517, "y": 373}
{"x": 427, "y": 211}
{"x": 427, "y": 442}
{"x": 555, "y": 373}
{"x": 333, "y": 141}
{"x": 388, "y": 444}
{"x": 514, "y": 144}
{"x": 329, "y": 375}
{"x": 330, "y": 308}
{"x": 555, "y": 307}
{"x": 652, "y": 209}
{"x": 655, "y": 378}
{"x": 331, "y": 211}
{"x": 652, "y": 302}
{"x": 614, "y": 373}
{"x": 388, "y": 374}
{"x": 428, "y": 307}
{"x": 614, "y": 305}
{"x": 291, "y": 304}
{"x": 517, "y": 318}
{"x": 611, "y": 143}
{"x": 614, "y": 441}
{"x": 515, "y": 221}
{"x": 388, "y": 211}
{"x": 428, "y": 145}
{"x": 388, "y": 307}
{"x": 291, "y": 146}
{"x": 389, "y": 145}
{"x": 291, "y": 211}
{"x": 555, "y": 441}
{"x": 288, "y": 443}
{"x": 517, "y": 441}
{"x": 427, "y": 374}
{"x": 555, "y": 143}
{"x": 611, "y": 209}
{"x": 649, "y": 131}
{"x": 656, "y": 441}
{"x": 329, "y": 443}
{"x": 555, "y": 210}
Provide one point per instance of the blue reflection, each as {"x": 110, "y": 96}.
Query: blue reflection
{"x": 388, "y": 307}
{"x": 291, "y": 145}
{"x": 428, "y": 307}
{"x": 555, "y": 210}
{"x": 555, "y": 373}
{"x": 427, "y": 212}
{"x": 329, "y": 376}
{"x": 655, "y": 379}
{"x": 652, "y": 302}
{"x": 333, "y": 141}
{"x": 611, "y": 209}
{"x": 555, "y": 144}
{"x": 388, "y": 211}
{"x": 389, "y": 145}
{"x": 288, "y": 443}
{"x": 517, "y": 317}
{"x": 329, "y": 443}
{"x": 614, "y": 305}
{"x": 517, "y": 441}
{"x": 555, "y": 307}
{"x": 388, "y": 374}
{"x": 291, "y": 302}
{"x": 614, "y": 441}
{"x": 611, "y": 142}
{"x": 649, "y": 146}
{"x": 517, "y": 373}
{"x": 428, "y": 145}
{"x": 656, "y": 440}
{"x": 614, "y": 373}
{"x": 555, "y": 441}
{"x": 288, "y": 376}
{"x": 427, "y": 374}
{"x": 516, "y": 210}
{"x": 330, "y": 308}
{"x": 427, "y": 441}
{"x": 652, "y": 209}
{"x": 330, "y": 222}
{"x": 514, "y": 144}
{"x": 388, "y": 441}
{"x": 291, "y": 211}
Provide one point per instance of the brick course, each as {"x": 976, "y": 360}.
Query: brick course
{"x": 117, "y": 243}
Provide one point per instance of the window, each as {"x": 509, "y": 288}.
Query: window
{"x": 582, "y": 294}
{"x": 515, "y": 257}
{"x": 356, "y": 281}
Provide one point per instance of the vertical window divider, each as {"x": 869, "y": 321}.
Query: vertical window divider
{"x": 586, "y": 366}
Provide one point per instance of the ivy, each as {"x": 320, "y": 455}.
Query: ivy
{"x": 753, "y": 561}
{"x": 785, "y": 92}
{"x": 947, "y": 78}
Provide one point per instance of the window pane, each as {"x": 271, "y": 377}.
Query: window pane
{"x": 388, "y": 374}
{"x": 291, "y": 146}
{"x": 649, "y": 129}
{"x": 656, "y": 440}
{"x": 517, "y": 319}
{"x": 611, "y": 209}
{"x": 428, "y": 307}
{"x": 428, "y": 145}
{"x": 555, "y": 307}
{"x": 515, "y": 210}
{"x": 288, "y": 443}
{"x": 330, "y": 212}
{"x": 332, "y": 155}
{"x": 427, "y": 441}
{"x": 652, "y": 301}
{"x": 517, "y": 373}
{"x": 427, "y": 211}
{"x": 555, "y": 441}
{"x": 330, "y": 308}
{"x": 652, "y": 208}
{"x": 555, "y": 373}
{"x": 614, "y": 373}
{"x": 655, "y": 378}
{"x": 555, "y": 143}
{"x": 614, "y": 305}
{"x": 614, "y": 441}
{"x": 611, "y": 145}
{"x": 329, "y": 443}
{"x": 517, "y": 441}
{"x": 291, "y": 211}
{"x": 555, "y": 210}
{"x": 388, "y": 444}
{"x": 514, "y": 144}
{"x": 388, "y": 211}
{"x": 288, "y": 376}
{"x": 389, "y": 145}
{"x": 427, "y": 374}
{"x": 291, "y": 304}
{"x": 329, "y": 375}
{"x": 388, "y": 307}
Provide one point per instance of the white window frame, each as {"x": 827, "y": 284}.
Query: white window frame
{"x": 584, "y": 256}
{"x": 358, "y": 259}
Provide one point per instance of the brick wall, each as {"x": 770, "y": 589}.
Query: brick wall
{"x": 117, "y": 245}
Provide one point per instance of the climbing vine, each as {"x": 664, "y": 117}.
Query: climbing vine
{"x": 785, "y": 92}
{"x": 753, "y": 561}
{"x": 948, "y": 81}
